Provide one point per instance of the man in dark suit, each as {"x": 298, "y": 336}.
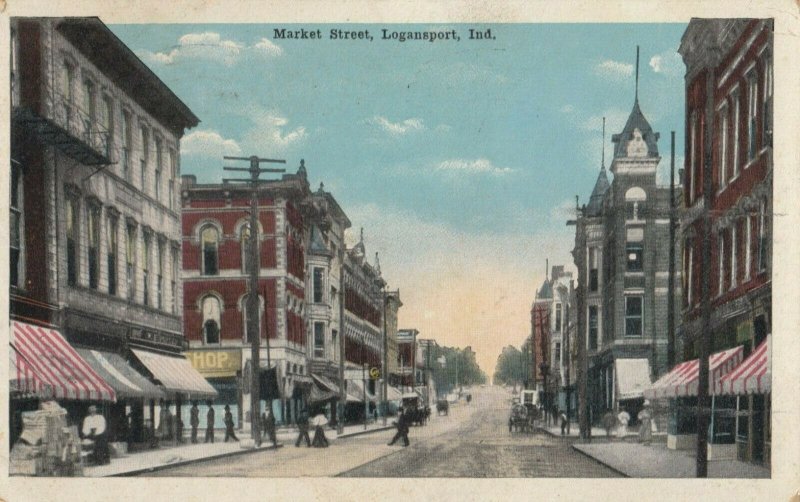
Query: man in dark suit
{"x": 268, "y": 422}
{"x": 194, "y": 420}
{"x": 228, "y": 420}
{"x": 402, "y": 429}
{"x": 209, "y": 423}
{"x": 302, "y": 425}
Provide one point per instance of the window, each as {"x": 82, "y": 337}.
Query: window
{"x": 16, "y": 232}
{"x": 634, "y": 253}
{"x": 633, "y": 316}
{"x": 211, "y": 320}
{"x": 689, "y": 272}
{"x": 319, "y": 284}
{"x": 130, "y": 260}
{"x": 244, "y": 245}
{"x": 723, "y": 148}
{"x": 634, "y": 202}
{"x": 126, "y": 146}
{"x": 144, "y": 158}
{"x": 111, "y": 256}
{"x": 93, "y": 228}
{"x": 593, "y": 327}
{"x": 748, "y": 244}
{"x": 319, "y": 339}
{"x": 558, "y": 318}
{"x": 557, "y": 356}
{"x": 14, "y": 64}
{"x": 692, "y": 150}
{"x": 209, "y": 241}
{"x": 88, "y": 110}
{"x": 767, "y": 116}
{"x": 159, "y": 159}
{"x": 735, "y": 162}
{"x": 721, "y": 259}
{"x": 173, "y": 177}
{"x": 594, "y": 279}
{"x": 72, "y": 241}
{"x": 752, "y": 113}
{"x": 762, "y": 236}
{"x": 107, "y": 117}
{"x": 146, "y": 269}
{"x": 68, "y": 91}
{"x": 160, "y": 276}
{"x": 733, "y": 255}
{"x": 174, "y": 283}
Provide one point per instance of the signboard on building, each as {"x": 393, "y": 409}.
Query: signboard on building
{"x": 215, "y": 363}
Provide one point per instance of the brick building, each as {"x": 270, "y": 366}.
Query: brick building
{"x": 729, "y": 82}
{"x": 95, "y": 225}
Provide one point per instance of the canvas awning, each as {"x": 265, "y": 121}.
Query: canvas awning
{"x": 393, "y": 394}
{"x": 683, "y": 379}
{"x": 356, "y": 388}
{"x": 23, "y": 381}
{"x": 126, "y": 381}
{"x": 632, "y": 377}
{"x": 48, "y": 367}
{"x": 753, "y": 376}
{"x": 176, "y": 375}
{"x": 331, "y": 386}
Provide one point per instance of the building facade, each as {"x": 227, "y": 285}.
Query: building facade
{"x": 95, "y": 214}
{"x": 729, "y": 106}
{"x": 407, "y": 357}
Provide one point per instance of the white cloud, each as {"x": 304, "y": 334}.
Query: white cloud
{"x": 210, "y": 46}
{"x": 397, "y": 128}
{"x": 271, "y": 132}
{"x": 563, "y": 211}
{"x": 614, "y": 70}
{"x": 208, "y": 143}
{"x": 567, "y": 109}
{"x": 472, "y": 166}
{"x": 668, "y": 63}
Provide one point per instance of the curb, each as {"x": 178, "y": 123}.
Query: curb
{"x": 145, "y": 470}
{"x": 624, "y": 475}
{"x": 361, "y": 433}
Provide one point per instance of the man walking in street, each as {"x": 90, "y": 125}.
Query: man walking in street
{"x": 194, "y": 420}
{"x": 302, "y": 426}
{"x": 228, "y": 419}
{"x": 564, "y": 421}
{"x": 402, "y": 429}
{"x": 209, "y": 423}
{"x": 268, "y": 419}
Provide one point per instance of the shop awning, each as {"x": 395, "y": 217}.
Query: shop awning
{"x": 356, "y": 388}
{"x": 176, "y": 375}
{"x": 683, "y": 379}
{"x": 325, "y": 383}
{"x": 126, "y": 381}
{"x": 632, "y": 377}
{"x": 23, "y": 379}
{"x": 51, "y": 366}
{"x": 753, "y": 376}
{"x": 393, "y": 394}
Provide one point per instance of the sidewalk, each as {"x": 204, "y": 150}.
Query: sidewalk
{"x": 636, "y": 460}
{"x": 170, "y": 456}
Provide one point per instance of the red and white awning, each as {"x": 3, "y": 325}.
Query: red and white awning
{"x": 48, "y": 367}
{"x": 753, "y": 376}
{"x": 24, "y": 380}
{"x": 683, "y": 379}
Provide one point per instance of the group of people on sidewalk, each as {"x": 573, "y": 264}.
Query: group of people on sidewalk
{"x": 620, "y": 421}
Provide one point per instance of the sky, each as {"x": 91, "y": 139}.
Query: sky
{"x": 460, "y": 159}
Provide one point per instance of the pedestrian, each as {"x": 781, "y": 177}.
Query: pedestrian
{"x": 268, "y": 421}
{"x": 229, "y": 433}
{"x": 402, "y": 429}
{"x": 94, "y": 428}
{"x": 564, "y": 422}
{"x": 609, "y": 422}
{"x": 645, "y": 427}
{"x": 623, "y": 418}
{"x": 178, "y": 429}
{"x": 194, "y": 420}
{"x": 210, "y": 423}
{"x": 319, "y": 422}
{"x": 302, "y": 427}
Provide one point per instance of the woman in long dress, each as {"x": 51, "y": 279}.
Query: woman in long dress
{"x": 645, "y": 429}
{"x": 319, "y": 422}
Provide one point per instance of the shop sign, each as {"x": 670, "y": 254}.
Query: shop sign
{"x": 215, "y": 363}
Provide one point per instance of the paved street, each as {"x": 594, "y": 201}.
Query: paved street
{"x": 473, "y": 441}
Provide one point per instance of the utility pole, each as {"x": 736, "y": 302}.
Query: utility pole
{"x": 671, "y": 285}
{"x": 342, "y": 390}
{"x": 566, "y": 352}
{"x": 253, "y": 266}
{"x": 385, "y": 372}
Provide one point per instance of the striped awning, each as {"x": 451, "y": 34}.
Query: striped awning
{"x": 126, "y": 381}
{"x": 683, "y": 379}
{"x": 753, "y": 376}
{"x": 48, "y": 367}
{"x": 176, "y": 375}
{"x": 23, "y": 379}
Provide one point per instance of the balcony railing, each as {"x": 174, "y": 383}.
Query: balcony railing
{"x": 82, "y": 125}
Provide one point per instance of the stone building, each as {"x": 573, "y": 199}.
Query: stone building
{"x": 95, "y": 225}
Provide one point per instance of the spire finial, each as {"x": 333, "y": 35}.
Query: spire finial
{"x": 362, "y": 234}
{"x": 603, "y": 158}
{"x": 637, "y": 74}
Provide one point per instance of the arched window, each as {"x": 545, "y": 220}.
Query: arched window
{"x": 634, "y": 200}
{"x": 209, "y": 241}
{"x": 244, "y": 241}
{"x": 211, "y": 320}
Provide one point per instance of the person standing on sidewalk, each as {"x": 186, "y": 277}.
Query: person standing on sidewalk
{"x": 564, "y": 422}
{"x": 194, "y": 420}
{"x": 645, "y": 429}
{"x": 268, "y": 419}
{"x": 319, "y": 422}
{"x": 210, "y": 423}
{"x": 623, "y": 418}
{"x": 228, "y": 419}
{"x": 302, "y": 426}
{"x": 402, "y": 429}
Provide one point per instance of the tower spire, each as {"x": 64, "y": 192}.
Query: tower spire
{"x": 637, "y": 75}
{"x": 603, "y": 158}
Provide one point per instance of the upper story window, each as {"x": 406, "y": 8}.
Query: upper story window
{"x": 16, "y": 230}
{"x": 174, "y": 283}
{"x": 594, "y": 274}
{"x": 111, "y": 253}
{"x": 127, "y": 140}
{"x": 319, "y": 339}
{"x": 319, "y": 284}
{"x": 692, "y": 156}
{"x": 147, "y": 238}
{"x": 593, "y": 326}
{"x": 763, "y": 239}
{"x": 160, "y": 276}
{"x": 634, "y": 251}
{"x": 93, "y": 230}
{"x": 246, "y": 318}
{"x": 736, "y": 127}
{"x": 752, "y": 114}
{"x": 721, "y": 275}
{"x": 68, "y": 87}
{"x": 72, "y": 217}
{"x": 144, "y": 158}
{"x": 159, "y": 160}
{"x": 767, "y": 116}
{"x": 635, "y": 198}
{"x": 209, "y": 242}
{"x": 173, "y": 176}
{"x": 244, "y": 246}
{"x": 14, "y": 63}
{"x": 211, "y": 320}
{"x": 558, "y": 318}
{"x": 633, "y": 315}
{"x": 130, "y": 260}
{"x": 723, "y": 147}
{"x": 107, "y": 122}
{"x": 89, "y": 110}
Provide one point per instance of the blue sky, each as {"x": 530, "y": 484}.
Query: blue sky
{"x": 461, "y": 160}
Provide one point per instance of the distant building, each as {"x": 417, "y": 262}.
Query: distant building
{"x": 729, "y": 113}
{"x": 392, "y": 307}
{"x": 406, "y": 357}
